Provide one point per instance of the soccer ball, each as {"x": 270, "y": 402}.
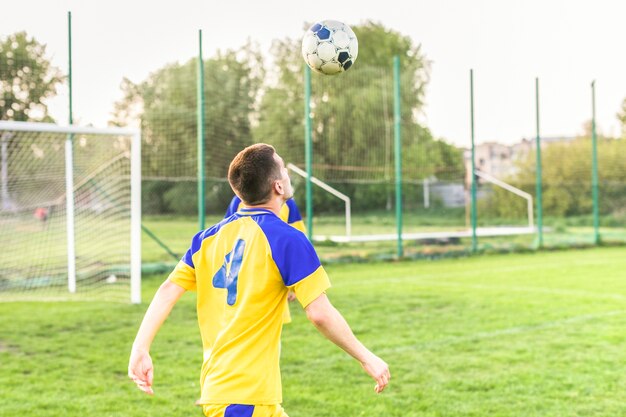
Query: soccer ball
{"x": 329, "y": 47}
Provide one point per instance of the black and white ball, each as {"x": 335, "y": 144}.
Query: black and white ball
{"x": 330, "y": 47}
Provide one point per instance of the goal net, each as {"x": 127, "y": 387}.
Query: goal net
{"x": 70, "y": 212}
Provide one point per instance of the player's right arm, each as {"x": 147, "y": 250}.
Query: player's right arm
{"x": 140, "y": 368}
{"x": 334, "y": 327}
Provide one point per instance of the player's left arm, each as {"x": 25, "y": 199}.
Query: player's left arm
{"x": 140, "y": 368}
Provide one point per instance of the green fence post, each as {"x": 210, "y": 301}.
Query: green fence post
{"x": 398, "y": 150}
{"x": 538, "y": 172}
{"x": 308, "y": 151}
{"x": 594, "y": 174}
{"x": 200, "y": 123}
{"x": 473, "y": 195}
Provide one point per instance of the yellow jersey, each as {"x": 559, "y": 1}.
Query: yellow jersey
{"x": 289, "y": 213}
{"x": 242, "y": 269}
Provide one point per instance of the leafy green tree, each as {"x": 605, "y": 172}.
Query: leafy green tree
{"x": 352, "y": 116}
{"x": 566, "y": 178}
{"x": 353, "y": 112}
{"x": 165, "y": 106}
{"x": 27, "y": 79}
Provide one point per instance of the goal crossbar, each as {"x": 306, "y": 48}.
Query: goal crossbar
{"x": 72, "y": 129}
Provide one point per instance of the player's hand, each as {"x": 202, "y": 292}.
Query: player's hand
{"x": 291, "y": 296}
{"x": 378, "y": 370}
{"x": 140, "y": 370}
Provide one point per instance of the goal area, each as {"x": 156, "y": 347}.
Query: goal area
{"x": 70, "y": 213}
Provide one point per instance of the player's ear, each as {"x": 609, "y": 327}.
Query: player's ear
{"x": 278, "y": 187}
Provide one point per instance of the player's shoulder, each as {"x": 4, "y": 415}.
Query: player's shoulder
{"x": 199, "y": 239}
{"x": 290, "y": 249}
{"x": 217, "y": 227}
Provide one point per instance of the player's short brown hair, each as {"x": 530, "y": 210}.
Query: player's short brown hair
{"x": 252, "y": 173}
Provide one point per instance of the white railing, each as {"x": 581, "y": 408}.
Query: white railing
{"x": 330, "y": 190}
{"x": 514, "y": 190}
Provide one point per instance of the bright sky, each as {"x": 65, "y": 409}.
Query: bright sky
{"x": 508, "y": 43}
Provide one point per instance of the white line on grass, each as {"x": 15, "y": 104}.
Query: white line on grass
{"x": 478, "y": 336}
{"x": 515, "y": 330}
{"x": 419, "y": 281}
{"x": 529, "y": 264}
{"x": 539, "y": 290}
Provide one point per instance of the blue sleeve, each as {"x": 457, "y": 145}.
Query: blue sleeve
{"x": 292, "y": 252}
{"x": 233, "y": 206}
{"x": 196, "y": 242}
{"x": 294, "y": 213}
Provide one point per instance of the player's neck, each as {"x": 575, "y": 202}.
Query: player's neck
{"x": 273, "y": 205}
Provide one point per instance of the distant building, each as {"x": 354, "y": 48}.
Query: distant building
{"x": 496, "y": 159}
{"x": 501, "y": 160}
{"x": 448, "y": 193}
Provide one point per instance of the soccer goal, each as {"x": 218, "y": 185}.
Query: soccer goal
{"x": 70, "y": 212}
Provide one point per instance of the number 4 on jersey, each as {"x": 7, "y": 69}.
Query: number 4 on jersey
{"x": 228, "y": 274}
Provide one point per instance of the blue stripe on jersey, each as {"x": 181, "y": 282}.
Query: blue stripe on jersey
{"x": 294, "y": 213}
{"x": 196, "y": 242}
{"x": 239, "y": 410}
{"x": 291, "y": 250}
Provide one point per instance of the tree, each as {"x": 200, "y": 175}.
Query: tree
{"x": 567, "y": 180}
{"x": 166, "y": 106}
{"x": 353, "y": 117}
{"x": 27, "y": 79}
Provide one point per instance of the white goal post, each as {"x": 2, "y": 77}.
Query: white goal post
{"x": 330, "y": 190}
{"x": 72, "y": 183}
{"x": 526, "y": 196}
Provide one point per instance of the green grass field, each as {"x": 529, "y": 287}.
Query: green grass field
{"x": 541, "y": 334}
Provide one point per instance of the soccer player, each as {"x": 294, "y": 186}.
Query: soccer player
{"x": 242, "y": 269}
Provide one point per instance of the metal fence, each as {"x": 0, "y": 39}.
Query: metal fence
{"x": 409, "y": 193}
